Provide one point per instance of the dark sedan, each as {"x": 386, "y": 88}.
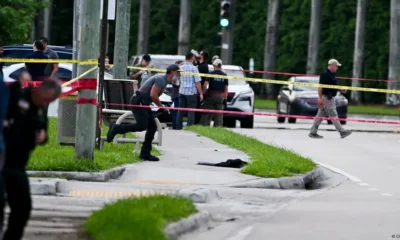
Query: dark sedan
{"x": 303, "y": 100}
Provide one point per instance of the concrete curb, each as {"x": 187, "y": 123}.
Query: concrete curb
{"x": 186, "y": 225}
{"x": 40, "y": 186}
{"x": 330, "y": 130}
{"x": 103, "y": 176}
{"x": 200, "y": 195}
{"x": 296, "y": 182}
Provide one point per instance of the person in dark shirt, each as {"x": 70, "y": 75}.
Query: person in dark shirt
{"x": 3, "y": 108}
{"x": 326, "y": 101}
{"x": 215, "y": 96}
{"x": 25, "y": 128}
{"x": 37, "y": 70}
{"x": 203, "y": 68}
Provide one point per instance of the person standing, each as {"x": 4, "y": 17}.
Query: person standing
{"x": 3, "y": 110}
{"x": 326, "y": 101}
{"x": 26, "y": 127}
{"x": 51, "y": 68}
{"x": 149, "y": 92}
{"x": 215, "y": 96}
{"x": 137, "y": 74}
{"x": 175, "y": 97}
{"x": 190, "y": 87}
{"x": 203, "y": 68}
{"x": 37, "y": 70}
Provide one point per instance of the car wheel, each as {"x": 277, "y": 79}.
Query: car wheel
{"x": 247, "y": 122}
{"x": 229, "y": 123}
{"x": 280, "y": 119}
{"x": 292, "y": 120}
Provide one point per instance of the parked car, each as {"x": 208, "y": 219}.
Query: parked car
{"x": 23, "y": 50}
{"x": 303, "y": 100}
{"x": 12, "y": 72}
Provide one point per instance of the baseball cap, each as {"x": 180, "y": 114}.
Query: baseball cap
{"x": 334, "y": 62}
{"x": 217, "y": 62}
{"x": 174, "y": 67}
{"x": 146, "y": 57}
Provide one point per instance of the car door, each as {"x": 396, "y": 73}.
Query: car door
{"x": 284, "y": 97}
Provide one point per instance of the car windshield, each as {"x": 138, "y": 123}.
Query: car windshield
{"x": 235, "y": 73}
{"x": 305, "y": 88}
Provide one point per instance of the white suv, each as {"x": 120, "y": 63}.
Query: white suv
{"x": 240, "y": 98}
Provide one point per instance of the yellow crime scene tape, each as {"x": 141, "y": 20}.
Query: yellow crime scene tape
{"x": 95, "y": 62}
{"x": 27, "y": 60}
{"x": 277, "y": 81}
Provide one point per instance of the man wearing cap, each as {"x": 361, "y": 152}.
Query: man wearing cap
{"x": 326, "y": 101}
{"x": 149, "y": 92}
{"x": 215, "y": 96}
{"x": 137, "y": 73}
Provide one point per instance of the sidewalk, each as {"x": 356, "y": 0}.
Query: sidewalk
{"x": 181, "y": 151}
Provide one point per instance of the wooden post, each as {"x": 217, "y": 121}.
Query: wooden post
{"x": 358, "y": 57}
{"x": 121, "y": 44}
{"x": 184, "y": 28}
{"x": 88, "y": 49}
{"x": 144, "y": 24}
{"x": 314, "y": 37}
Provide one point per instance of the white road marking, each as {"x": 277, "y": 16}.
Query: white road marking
{"x": 336, "y": 170}
{"x": 386, "y": 194}
{"x": 373, "y": 189}
{"x": 363, "y": 184}
{"x": 242, "y": 233}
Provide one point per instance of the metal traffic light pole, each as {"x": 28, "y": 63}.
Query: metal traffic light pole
{"x": 227, "y": 22}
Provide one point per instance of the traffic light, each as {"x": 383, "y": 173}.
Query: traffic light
{"x": 225, "y": 8}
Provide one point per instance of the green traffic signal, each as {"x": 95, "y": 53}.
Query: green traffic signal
{"x": 224, "y": 22}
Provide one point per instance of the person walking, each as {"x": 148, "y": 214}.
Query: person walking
{"x": 190, "y": 87}
{"x": 175, "y": 97}
{"x": 51, "y": 68}
{"x": 326, "y": 101}
{"x": 215, "y": 96}
{"x": 149, "y": 92}
{"x": 25, "y": 128}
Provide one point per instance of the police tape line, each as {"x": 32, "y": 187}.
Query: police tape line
{"x": 256, "y": 114}
{"x": 79, "y": 77}
{"x": 28, "y": 60}
{"x": 277, "y": 81}
{"x": 298, "y": 74}
{"x": 271, "y": 81}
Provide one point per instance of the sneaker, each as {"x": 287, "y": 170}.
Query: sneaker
{"x": 111, "y": 133}
{"x": 345, "y": 133}
{"x": 149, "y": 158}
{"x": 315, "y": 135}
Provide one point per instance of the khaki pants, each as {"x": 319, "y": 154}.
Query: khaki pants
{"x": 328, "y": 110}
{"x": 212, "y": 101}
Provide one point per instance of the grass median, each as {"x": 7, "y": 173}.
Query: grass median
{"x": 266, "y": 160}
{"x": 141, "y": 218}
{"x": 53, "y": 157}
{"x": 367, "y": 110}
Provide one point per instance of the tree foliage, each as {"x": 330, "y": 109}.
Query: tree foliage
{"x": 16, "y": 18}
{"x": 337, "y": 35}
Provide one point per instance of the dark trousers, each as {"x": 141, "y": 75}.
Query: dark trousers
{"x": 186, "y": 101}
{"x": 174, "y": 113}
{"x": 14, "y": 184}
{"x": 197, "y": 115}
{"x": 144, "y": 122}
{"x": 213, "y": 101}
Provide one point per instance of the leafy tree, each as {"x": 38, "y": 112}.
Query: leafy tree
{"x": 16, "y": 19}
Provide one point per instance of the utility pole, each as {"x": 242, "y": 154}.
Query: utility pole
{"x": 88, "y": 49}
{"x": 227, "y": 23}
{"x": 394, "y": 54}
{"x": 314, "y": 37}
{"x": 76, "y": 35}
{"x": 184, "y": 28}
{"x": 121, "y": 43}
{"x": 144, "y": 24}
{"x": 358, "y": 57}
{"x": 271, "y": 37}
